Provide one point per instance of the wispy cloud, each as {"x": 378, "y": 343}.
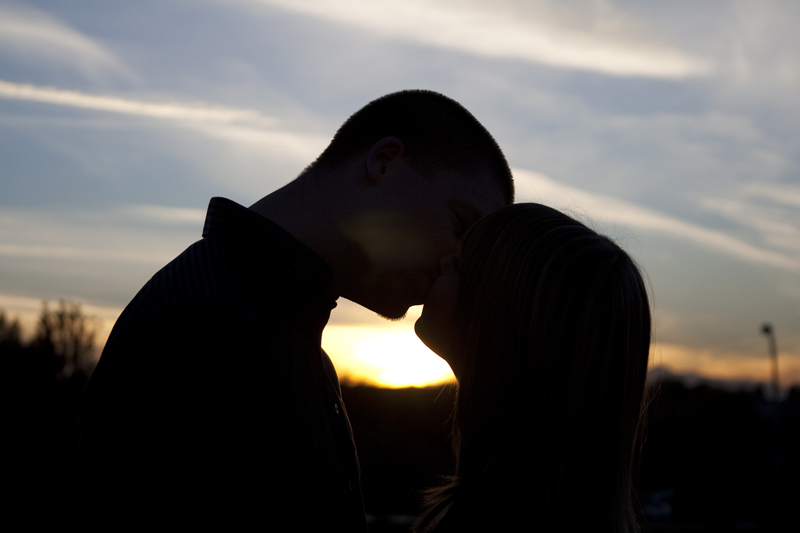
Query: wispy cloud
{"x": 785, "y": 194}
{"x": 532, "y": 186}
{"x": 596, "y": 37}
{"x": 242, "y": 127}
{"x": 31, "y": 33}
{"x": 277, "y": 143}
{"x": 165, "y": 214}
{"x": 98, "y": 235}
{"x": 113, "y": 104}
{"x": 84, "y": 253}
{"x": 772, "y": 211}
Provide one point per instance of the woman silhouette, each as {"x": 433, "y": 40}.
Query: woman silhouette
{"x": 546, "y": 325}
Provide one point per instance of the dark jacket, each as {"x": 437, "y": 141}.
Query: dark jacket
{"x": 213, "y": 401}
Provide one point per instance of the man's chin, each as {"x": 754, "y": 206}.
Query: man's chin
{"x": 393, "y": 317}
{"x": 393, "y": 309}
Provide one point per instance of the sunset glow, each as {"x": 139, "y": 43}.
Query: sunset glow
{"x": 718, "y": 365}
{"x": 389, "y": 354}
{"x": 386, "y": 357}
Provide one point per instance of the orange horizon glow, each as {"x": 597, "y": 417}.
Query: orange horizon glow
{"x": 723, "y": 365}
{"x": 369, "y": 350}
{"x": 383, "y": 357}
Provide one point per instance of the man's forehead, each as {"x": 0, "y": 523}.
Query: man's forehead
{"x": 480, "y": 189}
{"x": 479, "y": 195}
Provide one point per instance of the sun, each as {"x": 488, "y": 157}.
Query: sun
{"x": 385, "y": 354}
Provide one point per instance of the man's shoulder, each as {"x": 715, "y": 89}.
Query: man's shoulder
{"x": 213, "y": 288}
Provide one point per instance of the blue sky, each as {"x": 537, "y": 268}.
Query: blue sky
{"x": 672, "y": 126}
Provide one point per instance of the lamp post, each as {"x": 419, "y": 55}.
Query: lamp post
{"x": 767, "y": 330}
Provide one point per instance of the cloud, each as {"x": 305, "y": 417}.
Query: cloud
{"x": 35, "y": 34}
{"x": 103, "y": 235}
{"x": 595, "y": 38}
{"x": 532, "y": 186}
{"x": 84, "y": 253}
{"x": 166, "y": 215}
{"x": 113, "y": 104}
{"x": 786, "y": 195}
{"x": 271, "y": 143}
{"x": 241, "y": 127}
{"x": 770, "y": 210}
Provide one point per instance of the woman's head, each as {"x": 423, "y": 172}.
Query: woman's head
{"x": 549, "y": 340}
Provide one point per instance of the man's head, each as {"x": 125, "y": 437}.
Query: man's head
{"x": 421, "y": 170}
{"x": 437, "y": 132}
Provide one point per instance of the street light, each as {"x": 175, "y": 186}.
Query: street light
{"x": 767, "y": 330}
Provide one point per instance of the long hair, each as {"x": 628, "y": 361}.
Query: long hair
{"x": 551, "y": 359}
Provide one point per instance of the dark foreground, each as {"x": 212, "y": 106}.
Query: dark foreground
{"x": 707, "y": 464}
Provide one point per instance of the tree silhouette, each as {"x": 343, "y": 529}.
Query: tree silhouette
{"x": 66, "y": 337}
{"x": 41, "y": 382}
{"x": 10, "y": 333}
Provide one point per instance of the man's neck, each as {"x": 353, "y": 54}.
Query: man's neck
{"x": 309, "y": 209}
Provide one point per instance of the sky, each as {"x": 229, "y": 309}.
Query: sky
{"x": 673, "y": 127}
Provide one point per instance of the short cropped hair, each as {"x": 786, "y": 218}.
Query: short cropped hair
{"x": 438, "y": 133}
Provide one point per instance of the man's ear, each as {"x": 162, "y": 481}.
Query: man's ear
{"x": 381, "y": 156}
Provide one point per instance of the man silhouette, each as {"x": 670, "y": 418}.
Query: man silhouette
{"x": 213, "y": 401}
